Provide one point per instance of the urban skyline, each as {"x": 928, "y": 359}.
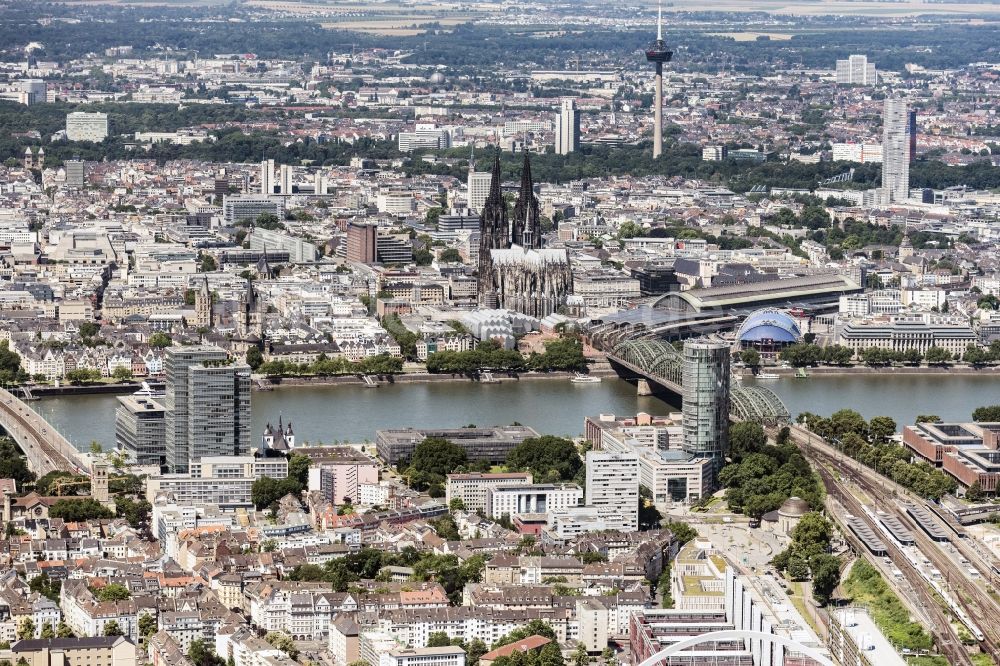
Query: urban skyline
{"x": 499, "y": 334}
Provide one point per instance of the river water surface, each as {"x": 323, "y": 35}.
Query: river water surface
{"x": 551, "y": 406}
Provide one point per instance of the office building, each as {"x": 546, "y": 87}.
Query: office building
{"x": 224, "y": 481}
{"x": 82, "y": 126}
{"x": 75, "y": 173}
{"x": 473, "y": 487}
{"x": 207, "y": 405}
{"x": 906, "y": 332}
{"x": 911, "y": 124}
{"x": 567, "y": 128}
{"x": 285, "y": 179}
{"x": 361, "y": 242}
{"x": 895, "y": 151}
{"x": 492, "y": 444}
{"x": 450, "y": 655}
{"x": 84, "y": 651}
{"x": 539, "y": 498}
{"x": 478, "y": 188}
{"x": 140, "y": 430}
{"x": 613, "y": 486}
{"x": 267, "y": 177}
{"x": 299, "y": 250}
{"x": 393, "y": 249}
{"x": 706, "y": 399}
{"x": 714, "y": 153}
{"x": 238, "y": 208}
{"x": 424, "y": 138}
{"x": 857, "y": 152}
{"x": 966, "y": 451}
{"x": 856, "y": 70}
{"x": 338, "y": 472}
{"x": 652, "y": 630}
{"x": 34, "y": 91}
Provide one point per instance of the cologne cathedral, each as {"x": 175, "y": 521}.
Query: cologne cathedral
{"x": 515, "y": 272}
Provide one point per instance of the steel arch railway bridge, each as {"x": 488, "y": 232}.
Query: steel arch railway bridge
{"x": 657, "y": 361}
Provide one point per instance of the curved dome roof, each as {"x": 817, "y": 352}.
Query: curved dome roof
{"x": 768, "y": 324}
{"x": 793, "y": 506}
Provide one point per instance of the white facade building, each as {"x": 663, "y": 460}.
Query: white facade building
{"x": 450, "y": 655}
{"x": 540, "y": 498}
{"x": 567, "y": 128}
{"x": 613, "y": 486}
{"x": 83, "y": 126}
{"x": 856, "y": 70}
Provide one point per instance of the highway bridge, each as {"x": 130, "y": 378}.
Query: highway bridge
{"x": 45, "y": 448}
{"x": 656, "y": 361}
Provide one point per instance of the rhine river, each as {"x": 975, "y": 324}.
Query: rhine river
{"x": 551, "y": 406}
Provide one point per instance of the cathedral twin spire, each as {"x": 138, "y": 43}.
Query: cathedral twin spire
{"x": 524, "y": 226}
{"x": 497, "y": 232}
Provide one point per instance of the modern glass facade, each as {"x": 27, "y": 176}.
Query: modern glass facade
{"x": 706, "y": 399}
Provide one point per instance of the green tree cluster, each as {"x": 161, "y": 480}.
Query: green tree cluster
{"x": 867, "y": 587}
{"x": 265, "y": 491}
{"x": 112, "y": 592}
{"x": 548, "y": 458}
{"x": 804, "y": 354}
{"x": 432, "y": 459}
{"x": 10, "y": 365}
{"x": 404, "y": 337}
{"x": 381, "y": 364}
{"x": 46, "y": 586}
{"x": 869, "y": 443}
{"x": 202, "y": 653}
{"x": 488, "y": 355}
{"x": 761, "y": 477}
{"x": 76, "y": 510}
{"x": 368, "y": 562}
{"x": 986, "y": 414}
{"x": 283, "y": 642}
{"x": 13, "y": 464}
{"x": 807, "y": 556}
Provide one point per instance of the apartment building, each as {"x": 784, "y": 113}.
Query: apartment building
{"x": 84, "y": 651}
{"x": 613, "y": 486}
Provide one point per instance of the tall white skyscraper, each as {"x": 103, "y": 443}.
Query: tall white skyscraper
{"x": 267, "y": 177}
{"x": 285, "y": 179}
{"x": 856, "y": 70}
{"x": 895, "y": 151}
{"x": 479, "y": 189}
{"x": 613, "y": 485}
{"x": 567, "y": 128}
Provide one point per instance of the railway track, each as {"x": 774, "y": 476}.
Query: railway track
{"x": 974, "y": 601}
{"x": 945, "y": 637}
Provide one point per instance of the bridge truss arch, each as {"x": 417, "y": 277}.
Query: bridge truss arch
{"x": 653, "y": 356}
{"x": 658, "y": 360}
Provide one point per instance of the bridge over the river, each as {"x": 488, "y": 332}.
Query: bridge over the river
{"x": 45, "y": 448}
{"x": 656, "y": 360}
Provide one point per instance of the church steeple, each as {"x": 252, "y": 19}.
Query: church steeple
{"x": 494, "y": 234}
{"x": 526, "y": 228}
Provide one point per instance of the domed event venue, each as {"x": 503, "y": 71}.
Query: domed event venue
{"x": 768, "y": 331}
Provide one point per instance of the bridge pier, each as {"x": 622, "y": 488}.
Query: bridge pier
{"x": 643, "y": 388}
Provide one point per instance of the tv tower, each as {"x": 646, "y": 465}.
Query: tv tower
{"x": 657, "y": 53}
